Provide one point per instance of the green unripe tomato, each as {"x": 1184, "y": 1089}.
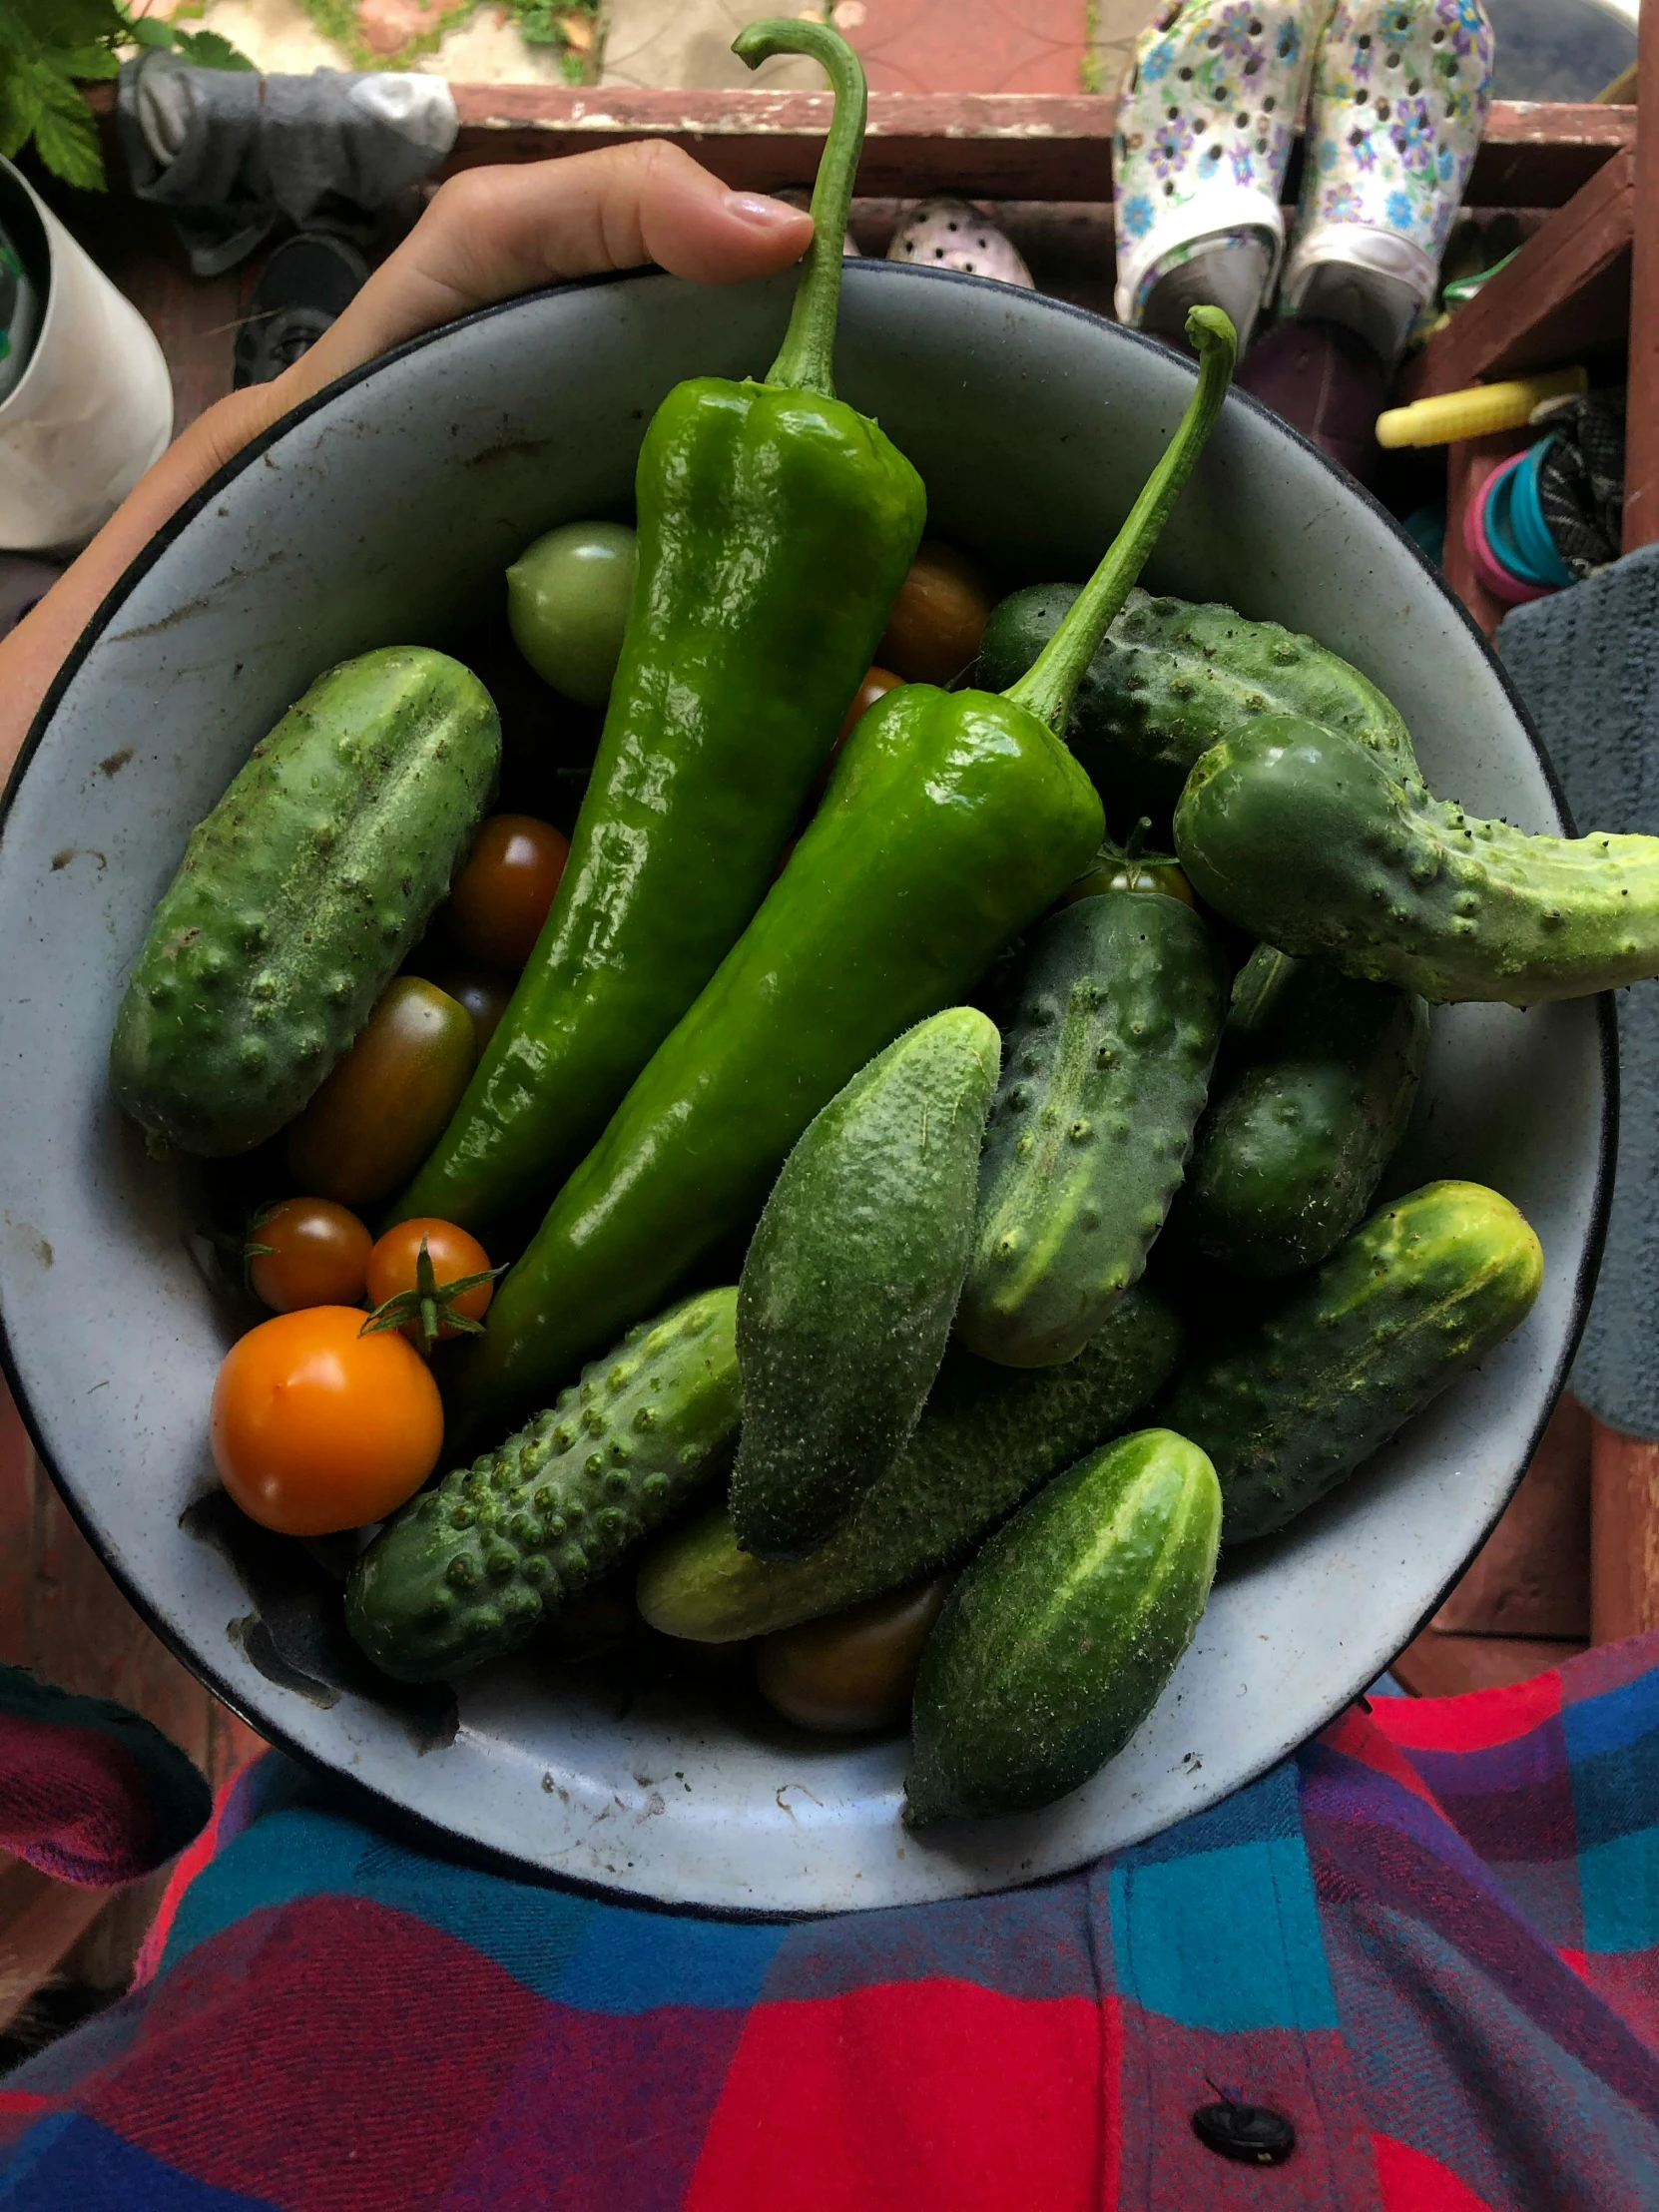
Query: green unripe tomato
{"x": 567, "y": 602}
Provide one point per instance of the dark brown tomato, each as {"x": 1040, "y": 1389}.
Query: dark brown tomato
{"x": 388, "y": 1101}
{"x": 307, "y": 1252}
{"x": 938, "y": 617}
{"x": 854, "y": 1671}
{"x": 483, "y": 992}
{"x": 876, "y": 684}
{"x": 498, "y": 903}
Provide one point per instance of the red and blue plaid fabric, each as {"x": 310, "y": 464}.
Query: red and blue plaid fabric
{"x": 1430, "y": 1939}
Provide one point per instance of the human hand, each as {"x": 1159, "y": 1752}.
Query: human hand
{"x": 487, "y": 234}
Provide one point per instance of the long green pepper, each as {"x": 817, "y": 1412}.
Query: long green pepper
{"x": 951, "y": 821}
{"x": 776, "y": 525}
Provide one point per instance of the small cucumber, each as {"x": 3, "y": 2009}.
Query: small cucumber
{"x": 299, "y": 897}
{"x": 987, "y": 1438}
{"x": 852, "y": 1279}
{"x": 1104, "y": 1076}
{"x": 1308, "y": 841}
{"x": 1057, "y": 1641}
{"x": 1173, "y": 678}
{"x": 1302, "y": 1122}
{"x": 1424, "y": 1290}
{"x": 469, "y": 1569}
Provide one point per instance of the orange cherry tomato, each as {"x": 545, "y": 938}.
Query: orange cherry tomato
{"x": 876, "y": 684}
{"x": 938, "y": 618}
{"x": 394, "y": 1263}
{"x": 500, "y": 899}
{"x": 316, "y": 1427}
{"x": 855, "y": 1670}
{"x": 314, "y": 1253}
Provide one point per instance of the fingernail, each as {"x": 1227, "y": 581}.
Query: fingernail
{"x": 765, "y": 213}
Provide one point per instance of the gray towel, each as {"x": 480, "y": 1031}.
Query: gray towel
{"x": 1586, "y": 661}
{"x": 230, "y": 153}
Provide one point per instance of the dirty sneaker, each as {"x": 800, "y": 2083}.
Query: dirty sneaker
{"x": 1401, "y": 92}
{"x": 1205, "y": 121}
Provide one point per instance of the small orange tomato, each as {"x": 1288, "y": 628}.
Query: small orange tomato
{"x": 876, "y": 684}
{"x": 307, "y": 1252}
{"x": 938, "y": 618}
{"x": 394, "y": 1272}
{"x": 500, "y": 899}
{"x": 318, "y": 1427}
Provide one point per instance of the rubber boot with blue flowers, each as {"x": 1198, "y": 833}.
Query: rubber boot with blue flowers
{"x": 1401, "y": 92}
{"x": 1205, "y": 121}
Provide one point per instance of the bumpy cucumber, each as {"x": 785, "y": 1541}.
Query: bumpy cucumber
{"x": 852, "y": 1280}
{"x": 1302, "y": 1123}
{"x": 1104, "y": 1076}
{"x": 986, "y": 1440}
{"x": 299, "y": 897}
{"x": 467, "y": 1571}
{"x": 1426, "y": 1287}
{"x": 1059, "y": 1639}
{"x": 1307, "y": 840}
{"x": 1173, "y": 678}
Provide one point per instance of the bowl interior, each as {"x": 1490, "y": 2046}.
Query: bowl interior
{"x": 386, "y": 514}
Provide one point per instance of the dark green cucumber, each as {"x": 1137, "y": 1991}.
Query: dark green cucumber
{"x": 1307, "y": 840}
{"x": 1103, "y": 1080}
{"x": 1173, "y": 678}
{"x": 1302, "y": 1123}
{"x": 852, "y": 1279}
{"x": 299, "y": 896}
{"x": 1059, "y": 1638}
{"x": 1425, "y": 1288}
{"x": 469, "y": 1569}
{"x": 987, "y": 1438}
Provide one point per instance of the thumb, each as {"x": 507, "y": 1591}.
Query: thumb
{"x": 490, "y": 233}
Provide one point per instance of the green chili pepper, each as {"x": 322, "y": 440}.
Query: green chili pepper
{"x": 776, "y": 525}
{"x": 951, "y": 821}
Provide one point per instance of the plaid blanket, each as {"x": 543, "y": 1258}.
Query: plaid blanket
{"x": 1429, "y": 1942}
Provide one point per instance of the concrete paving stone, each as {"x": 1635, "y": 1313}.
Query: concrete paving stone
{"x": 688, "y": 44}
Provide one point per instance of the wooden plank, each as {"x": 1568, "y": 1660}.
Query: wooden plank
{"x": 996, "y": 146}
{"x": 1531, "y": 1577}
{"x": 1434, "y": 1665}
{"x": 1564, "y": 297}
{"x": 1641, "y": 456}
{"x": 1624, "y": 1535}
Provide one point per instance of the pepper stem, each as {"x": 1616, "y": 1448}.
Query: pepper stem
{"x": 807, "y": 360}
{"x": 1047, "y": 686}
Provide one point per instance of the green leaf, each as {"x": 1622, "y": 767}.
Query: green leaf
{"x": 210, "y": 50}
{"x": 69, "y": 146}
{"x": 20, "y": 106}
{"x": 60, "y": 23}
{"x": 145, "y": 30}
{"x": 85, "y": 63}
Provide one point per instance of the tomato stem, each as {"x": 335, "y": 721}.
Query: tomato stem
{"x": 429, "y": 1307}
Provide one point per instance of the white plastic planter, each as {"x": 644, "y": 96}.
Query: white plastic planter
{"x": 93, "y": 409}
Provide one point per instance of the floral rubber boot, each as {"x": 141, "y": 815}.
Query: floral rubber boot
{"x": 1401, "y": 92}
{"x": 1205, "y": 121}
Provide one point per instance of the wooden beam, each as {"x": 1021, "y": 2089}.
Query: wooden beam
{"x": 1564, "y": 295}
{"x": 1435, "y": 1665}
{"x": 1641, "y": 456}
{"x": 41, "y": 1920}
{"x": 1624, "y": 1535}
{"x": 989, "y": 145}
